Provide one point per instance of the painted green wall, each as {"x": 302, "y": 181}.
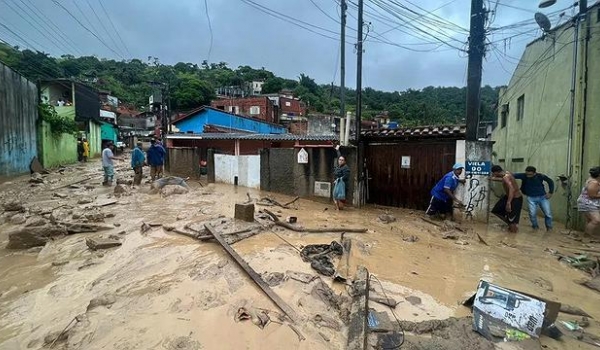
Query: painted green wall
{"x": 54, "y": 151}
{"x": 95, "y": 139}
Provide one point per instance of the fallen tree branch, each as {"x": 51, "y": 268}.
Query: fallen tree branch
{"x": 311, "y": 230}
{"x": 292, "y": 201}
{"x": 71, "y": 183}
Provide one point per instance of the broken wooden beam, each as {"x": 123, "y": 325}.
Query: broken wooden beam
{"x": 343, "y": 270}
{"x": 253, "y": 275}
{"x": 357, "y": 329}
{"x": 71, "y": 183}
{"x": 312, "y": 230}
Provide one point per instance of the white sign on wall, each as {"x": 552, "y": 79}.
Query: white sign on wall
{"x": 302, "y": 156}
{"x": 405, "y": 162}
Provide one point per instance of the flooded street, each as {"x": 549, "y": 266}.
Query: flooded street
{"x": 163, "y": 290}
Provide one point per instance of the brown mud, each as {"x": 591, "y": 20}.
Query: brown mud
{"x": 162, "y": 290}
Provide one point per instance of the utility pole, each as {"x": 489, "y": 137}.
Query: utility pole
{"x": 359, "y": 54}
{"x": 343, "y": 69}
{"x": 475, "y": 66}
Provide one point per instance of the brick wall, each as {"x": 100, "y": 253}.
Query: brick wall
{"x": 244, "y": 106}
{"x": 292, "y": 106}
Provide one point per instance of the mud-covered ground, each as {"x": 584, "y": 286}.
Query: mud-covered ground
{"x": 163, "y": 290}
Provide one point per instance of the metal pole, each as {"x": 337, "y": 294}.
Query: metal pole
{"x": 475, "y": 66}
{"x": 343, "y": 139}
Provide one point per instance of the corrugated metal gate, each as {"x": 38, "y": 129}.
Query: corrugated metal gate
{"x": 18, "y": 115}
{"x": 391, "y": 185}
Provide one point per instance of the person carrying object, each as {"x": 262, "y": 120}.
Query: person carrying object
{"x": 341, "y": 182}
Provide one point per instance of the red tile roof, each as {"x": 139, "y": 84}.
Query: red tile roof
{"x": 458, "y": 131}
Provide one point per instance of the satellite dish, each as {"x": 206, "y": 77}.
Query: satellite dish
{"x": 546, "y": 3}
{"x": 543, "y": 21}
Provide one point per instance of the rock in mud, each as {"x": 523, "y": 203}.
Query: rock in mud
{"x": 121, "y": 190}
{"x": 14, "y": 206}
{"x": 28, "y": 237}
{"x": 36, "y": 178}
{"x": 60, "y": 262}
{"x": 106, "y": 300}
{"x": 95, "y": 217}
{"x": 85, "y": 200}
{"x": 273, "y": 278}
{"x": 413, "y": 300}
{"x": 411, "y": 239}
{"x": 386, "y": 218}
{"x": 300, "y": 276}
{"x": 35, "y": 221}
{"x": 59, "y": 195}
{"x": 98, "y": 243}
{"x": 169, "y": 190}
{"x": 18, "y": 219}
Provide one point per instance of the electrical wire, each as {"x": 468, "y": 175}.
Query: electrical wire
{"x": 371, "y": 276}
{"x": 210, "y": 29}
{"x": 104, "y": 27}
{"x": 114, "y": 28}
{"x": 50, "y": 25}
{"x": 84, "y": 27}
{"x": 58, "y": 45}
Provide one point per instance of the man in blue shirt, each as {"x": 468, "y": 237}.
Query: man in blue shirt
{"x": 137, "y": 163}
{"x": 156, "y": 158}
{"x": 442, "y": 195}
{"x": 532, "y": 185}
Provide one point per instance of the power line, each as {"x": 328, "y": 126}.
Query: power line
{"x": 60, "y": 46}
{"x": 210, "y": 28}
{"x": 19, "y": 37}
{"x": 114, "y": 28}
{"x": 325, "y": 13}
{"x": 84, "y": 27}
{"x": 104, "y": 27}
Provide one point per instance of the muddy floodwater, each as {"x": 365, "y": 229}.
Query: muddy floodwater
{"x": 162, "y": 290}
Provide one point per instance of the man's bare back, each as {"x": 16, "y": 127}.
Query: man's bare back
{"x": 508, "y": 181}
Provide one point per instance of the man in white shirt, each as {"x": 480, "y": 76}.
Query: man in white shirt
{"x": 107, "y": 164}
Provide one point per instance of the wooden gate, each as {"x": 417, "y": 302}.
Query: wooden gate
{"x": 390, "y": 184}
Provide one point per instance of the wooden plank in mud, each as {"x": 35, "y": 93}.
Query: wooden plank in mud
{"x": 253, "y": 275}
{"x": 357, "y": 329}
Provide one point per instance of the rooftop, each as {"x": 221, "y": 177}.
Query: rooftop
{"x": 257, "y": 137}
{"x": 441, "y": 131}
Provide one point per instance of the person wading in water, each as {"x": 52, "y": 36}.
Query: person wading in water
{"x": 341, "y": 181}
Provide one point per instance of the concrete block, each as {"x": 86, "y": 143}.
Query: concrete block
{"x": 244, "y": 212}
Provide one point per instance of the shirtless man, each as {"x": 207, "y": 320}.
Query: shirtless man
{"x": 508, "y": 208}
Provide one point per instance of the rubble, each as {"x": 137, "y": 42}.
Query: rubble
{"x": 34, "y": 236}
{"x": 18, "y": 219}
{"x": 14, "y": 206}
{"x": 85, "y": 200}
{"x": 169, "y": 190}
{"x": 244, "y": 212}
{"x": 99, "y": 243}
{"x": 106, "y": 300}
{"x": 121, "y": 190}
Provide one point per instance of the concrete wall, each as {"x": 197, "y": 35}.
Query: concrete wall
{"x": 18, "y": 116}
{"x": 281, "y": 173}
{"x": 245, "y": 168}
{"x": 541, "y": 137}
{"x": 56, "y": 150}
{"x": 183, "y": 162}
{"x": 95, "y": 139}
{"x": 476, "y": 195}
{"x": 196, "y": 123}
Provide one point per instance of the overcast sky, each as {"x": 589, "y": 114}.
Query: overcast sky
{"x": 178, "y": 30}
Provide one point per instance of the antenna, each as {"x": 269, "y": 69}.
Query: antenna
{"x": 543, "y": 21}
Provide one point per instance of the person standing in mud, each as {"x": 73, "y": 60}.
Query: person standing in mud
{"x": 107, "y": 164}
{"x": 79, "y": 151}
{"x": 443, "y": 197}
{"x": 156, "y": 158}
{"x": 532, "y": 185}
{"x": 508, "y": 208}
{"x": 341, "y": 181}
{"x": 86, "y": 150}
{"x": 137, "y": 163}
{"x": 588, "y": 202}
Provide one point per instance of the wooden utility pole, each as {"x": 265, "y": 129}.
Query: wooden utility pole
{"x": 359, "y": 56}
{"x": 343, "y": 65}
{"x": 476, "y": 53}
